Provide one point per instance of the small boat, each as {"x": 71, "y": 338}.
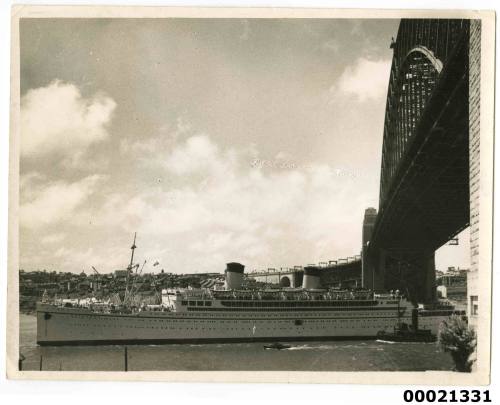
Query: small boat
{"x": 277, "y": 346}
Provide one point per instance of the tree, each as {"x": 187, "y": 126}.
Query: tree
{"x": 459, "y": 339}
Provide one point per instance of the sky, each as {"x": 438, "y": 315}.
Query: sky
{"x": 249, "y": 140}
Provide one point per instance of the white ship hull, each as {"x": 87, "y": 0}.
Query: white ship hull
{"x": 58, "y": 325}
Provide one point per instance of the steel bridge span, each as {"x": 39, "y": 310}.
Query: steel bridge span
{"x": 424, "y": 185}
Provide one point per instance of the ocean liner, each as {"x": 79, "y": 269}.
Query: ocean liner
{"x": 236, "y": 314}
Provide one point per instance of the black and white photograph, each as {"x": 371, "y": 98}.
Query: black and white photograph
{"x": 243, "y": 192}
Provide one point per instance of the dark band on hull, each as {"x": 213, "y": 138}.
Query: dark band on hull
{"x": 198, "y": 340}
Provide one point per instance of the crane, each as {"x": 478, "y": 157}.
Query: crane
{"x": 98, "y": 278}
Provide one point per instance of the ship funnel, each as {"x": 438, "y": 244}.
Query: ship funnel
{"x": 234, "y": 276}
{"x": 311, "y": 279}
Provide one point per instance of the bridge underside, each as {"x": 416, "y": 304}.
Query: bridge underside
{"x": 345, "y": 274}
{"x": 429, "y": 196}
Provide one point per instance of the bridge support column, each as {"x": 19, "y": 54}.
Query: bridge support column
{"x": 373, "y": 271}
{"x": 418, "y": 276}
{"x": 379, "y": 273}
{"x": 427, "y": 280}
{"x": 367, "y": 270}
{"x": 414, "y": 274}
{"x": 367, "y": 265}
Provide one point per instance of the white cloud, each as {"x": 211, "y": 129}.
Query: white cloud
{"x": 197, "y": 154}
{"x": 84, "y": 257}
{"x": 56, "y": 118}
{"x": 56, "y": 202}
{"x": 331, "y": 45}
{"x": 30, "y": 185}
{"x": 214, "y": 206}
{"x": 245, "y": 34}
{"x": 239, "y": 212}
{"x": 366, "y": 80}
{"x": 53, "y": 238}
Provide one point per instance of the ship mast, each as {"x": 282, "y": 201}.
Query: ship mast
{"x": 133, "y": 247}
{"x": 130, "y": 266}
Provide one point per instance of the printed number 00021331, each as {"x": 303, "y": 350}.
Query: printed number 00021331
{"x": 446, "y": 396}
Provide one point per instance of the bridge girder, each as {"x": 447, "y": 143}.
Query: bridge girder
{"x": 424, "y": 186}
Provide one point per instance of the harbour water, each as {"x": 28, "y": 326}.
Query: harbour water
{"x": 359, "y": 355}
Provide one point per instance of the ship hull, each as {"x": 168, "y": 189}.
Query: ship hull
{"x": 60, "y": 326}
